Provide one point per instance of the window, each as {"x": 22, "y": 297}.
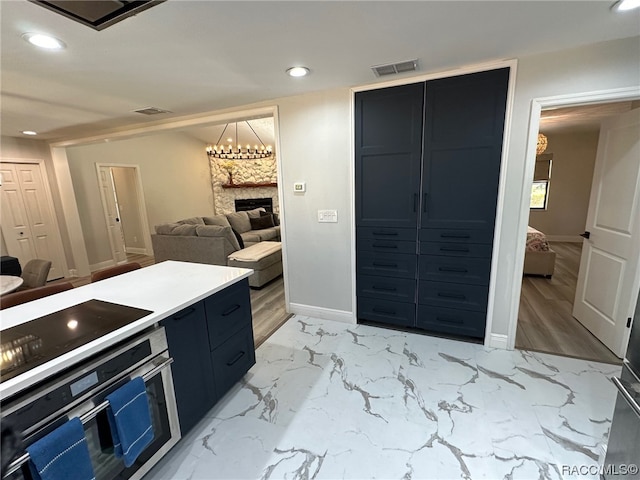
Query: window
{"x": 539, "y": 191}
{"x": 541, "y": 178}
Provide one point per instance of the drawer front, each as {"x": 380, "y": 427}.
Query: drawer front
{"x": 233, "y": 359}
{"x": 473, "y": 271}
{"x": 228, "y": 311}
{"x": 453, "y": 295}
{"x": 385, "y": 311}
{"x": 387, "y": 264}
{"x": 387, "y": 288}
{"x": 472, "y": 250}
{"x": 384, "y": 245}
{"x": 456, "y": 235}
{"x": 386, "y": 233}
{"x": 451, "y": 320}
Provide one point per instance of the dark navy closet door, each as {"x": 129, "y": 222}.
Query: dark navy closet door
{"x": 464, "y": 123}
{"x": 388, "y": 124}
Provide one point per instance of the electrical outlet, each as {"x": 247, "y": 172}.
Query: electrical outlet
{"x": 328, "y": 216}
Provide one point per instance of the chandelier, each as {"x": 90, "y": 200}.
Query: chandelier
{"x": 541, "y": 146}
{"x": 235, "y": 151}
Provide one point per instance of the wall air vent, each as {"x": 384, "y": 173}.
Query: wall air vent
{"x": 393, "y": 68}
{"x": 97, "y": 14}
{"x": 151, "y": 111}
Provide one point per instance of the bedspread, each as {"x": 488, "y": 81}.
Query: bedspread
{"x": 536, "y": 241}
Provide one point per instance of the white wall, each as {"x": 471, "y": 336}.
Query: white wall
{"x": 574, "y": 156}
{"x": 175, "y": 178}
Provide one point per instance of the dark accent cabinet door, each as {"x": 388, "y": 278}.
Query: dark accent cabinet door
{"x": 192, "y": 368}
{"x": 388, "y": 126}
{"x": 464, "y": 124}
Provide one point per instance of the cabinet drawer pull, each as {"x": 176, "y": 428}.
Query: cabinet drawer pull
{"x": 231, "y": 310}
{"x": 458, "y": 296}
{"x": 184, "y": 313}
{"x": 453, "y": 269}
{"x": 454, "y": 249}
{"x": 235, "y": 359}
{"x": 385, "y": 311}
{"x": 386, "y": 289}
{"x": 388, "y": 234}
{"x": 384, "y": 264}
{"x": 455, "y": 235}
{"x": 448, "y": 320}
{"x": 377, "y": 245}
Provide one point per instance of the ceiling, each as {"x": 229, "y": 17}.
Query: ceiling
{"x": 192, "y": 57}
{"x": 585, "y": 117}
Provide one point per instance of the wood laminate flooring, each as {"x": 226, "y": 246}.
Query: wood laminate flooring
{"x": 267, "y": 303}
{"x": 545, "y": 322}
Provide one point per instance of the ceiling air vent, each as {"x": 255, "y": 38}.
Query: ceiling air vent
{"x": 393, "y": 68}
{"x": 151, "y": 111}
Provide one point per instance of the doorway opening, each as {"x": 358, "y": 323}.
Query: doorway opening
{"x": 548, "y": 320}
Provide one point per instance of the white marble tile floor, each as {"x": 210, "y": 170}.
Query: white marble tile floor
{"x": 328, "y": 400}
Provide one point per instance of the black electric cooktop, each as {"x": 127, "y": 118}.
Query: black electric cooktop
{"x": 36, "y": 342}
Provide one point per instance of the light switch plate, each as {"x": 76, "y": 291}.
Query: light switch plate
{"x": 328, "y": 216}
{"x": 299, "y": 187}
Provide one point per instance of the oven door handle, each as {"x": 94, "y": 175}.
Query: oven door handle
{"x": 86, "y": 417}
{"x": 626, "y": 395}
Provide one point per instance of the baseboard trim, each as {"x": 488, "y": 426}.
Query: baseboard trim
{"x": 499, "y": 341}
{"x": 137, "y": 251}
{"x": 323, "y": 313}
{"x": 101, "y": 265}
{"x": 565, "y": 238}
{"x": 73, "y": 272}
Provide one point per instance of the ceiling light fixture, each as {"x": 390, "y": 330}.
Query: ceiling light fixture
{"x": 29, "y": 132}
{"x": 625, "y": 5}
{"x": 298, "y": 71}
{"x": 239, "y": 153}
{"x": 542, "y": 144}
{"x": 44, "y": 41}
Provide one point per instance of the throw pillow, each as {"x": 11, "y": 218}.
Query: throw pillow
{"x": 239, "y": 221}
{"x": 239, "y": 238}
{"x": 260, "y": 223}
{"x": 184, "y": 229}
{"x": 276, "y": 220}
{"x": 192, "y": 221}
{"x": 256, "y": 212}
{"x": 218, "y": 231}
{"x": 219, "y": 220}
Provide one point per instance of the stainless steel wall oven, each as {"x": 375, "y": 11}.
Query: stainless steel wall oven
{"x": 80, "y": 392}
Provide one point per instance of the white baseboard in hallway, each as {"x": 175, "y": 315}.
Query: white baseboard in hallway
{"x": 323, "y": 313}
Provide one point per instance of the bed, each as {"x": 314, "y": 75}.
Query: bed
{"x": 539, "y": 259}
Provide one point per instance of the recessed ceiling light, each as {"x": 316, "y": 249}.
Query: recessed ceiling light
{"x": 297, "y": 71}
{"x": 29, "y": 132}
{"x": 625, "y": 5}
{"x": 44, "y": 41}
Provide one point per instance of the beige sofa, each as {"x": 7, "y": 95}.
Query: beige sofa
{"x": 213, "y": 239}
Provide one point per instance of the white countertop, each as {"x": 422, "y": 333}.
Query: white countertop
{"x": 164, "y": 288}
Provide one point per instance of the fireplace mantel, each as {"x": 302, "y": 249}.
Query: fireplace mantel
{"x": 249, "y": 185}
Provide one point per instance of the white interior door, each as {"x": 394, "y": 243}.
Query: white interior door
{"x": 27, "y": 222}
{"x": 108, "y": 194}
{"x": 610, "y": 259}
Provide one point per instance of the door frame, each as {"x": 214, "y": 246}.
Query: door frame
{"x": 141, "y": 201}
{"x": 537, "y": 105}
{"x": 57, "y": 236}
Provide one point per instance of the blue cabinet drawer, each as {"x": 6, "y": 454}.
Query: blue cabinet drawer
{"x": 233, "y": 359}
{"x": 385, "y": 245}
{"x": 453, "y": 295}
{"x": 387, "y": 233}
{"x": 473, "y": 271}
{"x": 228, "y": 311}
{"x": 472, "y": 250}
{"x": 451, "y": 321}
{"x": 454, "y": 235}
{"x": 385, "y": 311}
{"x": 387, "y": 288}
{"x": 387, "y": 264}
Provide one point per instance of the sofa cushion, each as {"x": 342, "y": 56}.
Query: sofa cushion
{"x": 250, "y": 237}
{"x": 176, "y": 229}
{"x": 192, "y": 221}
{"x": 276, "y": 220}
{"x": 272, "y": 233}
{"x": 218, "y": 231}
{"x": 239, "y": 221}
{"x": 256, "y": 212}
{"x": 216, "y": 220}
{"x": 259, "y": 223}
